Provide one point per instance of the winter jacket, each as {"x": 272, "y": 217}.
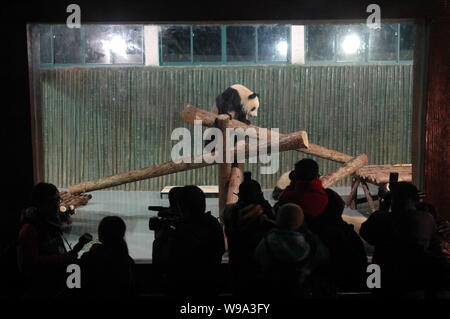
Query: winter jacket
{"x": 309, "y": 195}
{"x": 42, "y": 259}
{"x": 107, "y": 272}
{"x": 194, "y": 254}
{"x": 406, "y": 247}
{"x": 287, "y": 259}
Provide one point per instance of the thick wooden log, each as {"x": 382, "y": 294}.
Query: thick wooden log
{"x": 191, "y": 113}
{"x": 72, "y": 201}
{"x": 345, "y": 170}
{"x": 368, "y": 196}
{"x": 351, "y": 201}
{"x": 326, "y": 153}
{"x": 235, "y": 180}
{"x": 379, "y": 174}
{"x": 224, "y": 169}
{"x": 230, "y": 175}
{"x": 285, "y": 143}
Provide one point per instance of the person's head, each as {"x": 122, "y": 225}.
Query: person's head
{"x": 173, "y": 197}
{"x": 192, "y": 201}
{"x": 403, "y": 194}
{"x": 250, "y": 191}
{"x": 45, "y": 197}
{"x": 306, "y": 170}
{"x": 111, "y": 230}
{"x": 290, "y": 217}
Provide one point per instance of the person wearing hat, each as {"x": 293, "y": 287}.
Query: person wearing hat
{"x": 306, "y": 189}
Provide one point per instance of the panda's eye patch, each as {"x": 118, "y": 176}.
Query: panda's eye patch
{"x": 254, "y": 108}
{"x": 252, "y": 96}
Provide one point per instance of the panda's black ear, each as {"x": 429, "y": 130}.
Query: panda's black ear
{"x": 252, "y": 96}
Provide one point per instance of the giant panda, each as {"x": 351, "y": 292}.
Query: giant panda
{"x": 238, "y": 102}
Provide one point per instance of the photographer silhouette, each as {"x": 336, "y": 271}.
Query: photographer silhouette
{"x": 41, "y": 254}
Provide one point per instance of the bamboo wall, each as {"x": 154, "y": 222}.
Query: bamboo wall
{"x": 106, "y": 120}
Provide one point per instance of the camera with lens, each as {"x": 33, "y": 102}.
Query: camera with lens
{"x": 165, "y": 218}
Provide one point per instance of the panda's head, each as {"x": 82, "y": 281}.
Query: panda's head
{"x": 249, "y": 100}
{"x": 240, "y": 99}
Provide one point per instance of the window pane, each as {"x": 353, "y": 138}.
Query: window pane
{"x": 45, "y": 43}
{"x": 176, "y": 46}
{"x": 67, "y": 45}
{"x": 407, "y": 41}
{"x": 207, "y": 44}
{"x": 350, "y": 43}
{"x": 98, "y": 44}
{"x": 320, "y": 43}
{"x": 107, "y": 44}
{"x": 383, "y": 43}
{"x": 126, "y": 44}
{"x": 273, "y": 43}
{"x": 241, "y": 43}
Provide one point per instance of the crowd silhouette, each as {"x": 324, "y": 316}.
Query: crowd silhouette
{"x": 300, "y": 248}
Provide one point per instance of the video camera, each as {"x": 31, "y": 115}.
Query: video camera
{"x": 166, "y": 216}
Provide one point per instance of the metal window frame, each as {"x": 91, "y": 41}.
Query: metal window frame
{"x": 83, "y": 50}
{"x": 223, "y": 60}
{"x": 366, "y": 54}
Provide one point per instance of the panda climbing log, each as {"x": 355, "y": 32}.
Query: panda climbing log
{"x": 238, "y": 102}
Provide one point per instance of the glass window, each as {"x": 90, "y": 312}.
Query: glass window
{"x": 207, "y": 43}
{"x": 383, "y": 43}
{"x": 175, "y": 43}
{"x": 407, "y": 41}
{"x": 67, "y": 45}
{"x": 127, "y": 45}
{"x": 98, "y": 39}
{"x": 350, "y": 43}
{"x": 320, "y": 45}
{"x": 45, "y": 44}
{"x": 273, "y": 43}
{"x": 241, "y": 44}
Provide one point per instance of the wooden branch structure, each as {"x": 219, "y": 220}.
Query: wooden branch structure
{"x": 230, "y": 174}
{"x": 345, "y": 170}
{"x": 224, "y": 168}
{"x": 285, "y": 143}
{"x": 351, "y": 200}
{"x": 377, "y": 175}
{"x": 234, "y": 181}
{"x": 368, "y": 196}
{"x": 192, "y": 113}
{"x": 70, "y": 202}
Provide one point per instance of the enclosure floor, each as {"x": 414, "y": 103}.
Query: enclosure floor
{"x": 132, "y": 207}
